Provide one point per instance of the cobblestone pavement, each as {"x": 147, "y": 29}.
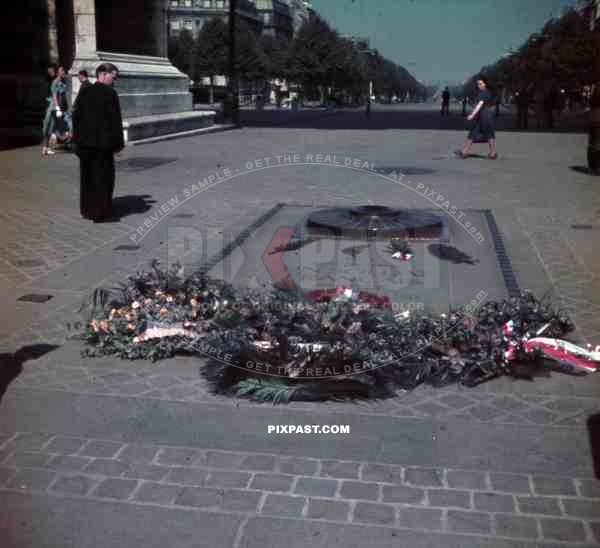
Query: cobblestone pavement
{"x": 452, "y": 501}
{"x": 147, "y": 450}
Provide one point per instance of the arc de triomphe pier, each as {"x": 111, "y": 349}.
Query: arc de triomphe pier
{"x": 81, "y": 34}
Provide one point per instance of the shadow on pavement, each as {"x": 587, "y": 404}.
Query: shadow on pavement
{"x": 585, "y": 170}
{"x": 11, "y": 365}
{"x": 122, "y": 206}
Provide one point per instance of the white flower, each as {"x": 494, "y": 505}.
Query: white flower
{"x": 348, "y": 293}
{"x": 135, "y": 305}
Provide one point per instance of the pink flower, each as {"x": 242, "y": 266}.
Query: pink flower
{"x": 131, "y": 327}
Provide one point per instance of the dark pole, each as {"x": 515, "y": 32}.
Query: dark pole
{"x": 232, "y": 84}
{"x": 593, "y": 152}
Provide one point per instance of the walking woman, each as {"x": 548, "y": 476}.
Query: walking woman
{"x": 484, "y": 115}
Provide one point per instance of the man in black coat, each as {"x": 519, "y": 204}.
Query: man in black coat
{"x": 98, "y": 134}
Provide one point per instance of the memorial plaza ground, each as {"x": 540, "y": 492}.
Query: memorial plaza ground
{"x": 111, "y": 453}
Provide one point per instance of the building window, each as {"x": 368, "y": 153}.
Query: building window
{"x": 207, "y": 4}
{"x": 174, "y": 3}
{"x": 188, "y": 24}
{"x": 176, "y": 24}
{"x": 220, "y": 4}
{"x": 188, "y": 3}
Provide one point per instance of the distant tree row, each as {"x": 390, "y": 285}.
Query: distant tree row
{"x": 318, "y": 59}
{"x": 559, "y": 56}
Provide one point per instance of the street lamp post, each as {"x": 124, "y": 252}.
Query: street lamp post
{"x": 232, "y": 84}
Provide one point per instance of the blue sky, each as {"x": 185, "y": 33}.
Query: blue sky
{"x": 443, "y": 41}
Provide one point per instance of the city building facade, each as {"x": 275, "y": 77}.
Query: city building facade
{"x": 191, "y": 15}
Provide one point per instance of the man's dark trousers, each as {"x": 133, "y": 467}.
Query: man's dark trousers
{"x": 97, "y": 182}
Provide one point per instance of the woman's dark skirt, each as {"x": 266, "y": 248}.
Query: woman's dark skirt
{"x": 484, "y": 128}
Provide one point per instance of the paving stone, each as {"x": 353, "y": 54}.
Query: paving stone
{"x": 366, "y": 512}
{"x": 163, "y": 382}
{"x": 283, "y": 505}
{"x": 456, "y": 401}
{"x": 359, "y": 490}
{"x": 139, "y": 470}
{"x": 188, "y": 475}
{"x": 65, "y": 445}
{"x": 421, "y": 518}
{"x": 6, "y": 473}
{"x": 219, "y": 459}
{"x": 468, "y": 522}
{"x": 101, "y": 449}
{"x": 548, "y": 485}
{"x": 423, "y": 476}
{"x": 27, "y": 459}
{"x": 264, "y": 463}
{"x": 403, "y": 494}
{"x": 174, "y": 457}
{"x": 582, "y": 508}
{"x": 466, "y": 480}
{"x": 541, "y": 416}
{"x": 539, "y": 505}
{"x": 316, "y": 487}
{"x": 298, "y": 467}
{"x": 508, "y": 403}
{"x": 199, "y": 497}
{"x": 563, "y": 529}
{"x": 486, "y": 412}
{"x": 271, "y": 482}
{"x": 382, "y": 472}
{"x": 339, "y": 469}
{"x": 27, "y": 442}
{"x": 449, "y": 497}
{"x": 589, "y": 488}
{"x": 139, "y": 453}
{"x": 328, "y": 509}
{"x": 31, "y": 480}
{"x": 114, "y": 488}
{"x": 432, "y": 409}
{"x": 223, "y": 478}
{"x": 158, "y": 493}
{"x": 106, "y": 467}
{"x": 493, "y": 502}
{"x": 510, "y": 483}
{"x": 238, "y": 500}
{"x": 68, "y": 463}
{"x": 74, "y": 485}
{"x": 515, "y": 526}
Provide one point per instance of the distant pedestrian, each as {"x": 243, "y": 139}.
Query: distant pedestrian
{"x": 523, "y": 99}
{"x": 483, "y": 131}
{"x": 60, "y": 102}
{"x": 446, "y": 101}
{"x": 464, "y": 106}
{"x": 48, "y": 123}
{"x": 98, "y": 134}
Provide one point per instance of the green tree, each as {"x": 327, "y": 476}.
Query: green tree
{"x": 181, "y": 52}
{"x": 211, "y": 52}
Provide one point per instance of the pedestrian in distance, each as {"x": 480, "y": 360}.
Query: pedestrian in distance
{"x": 62, "y": 117}
{"x": 48, "y": 123}
{"x": 98, "y": 134}
{"x": 464, "y": 106}
{"x": 446, "y": 102}
{"x": 483, "y": 115}
{"x": 523, "y": 99}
